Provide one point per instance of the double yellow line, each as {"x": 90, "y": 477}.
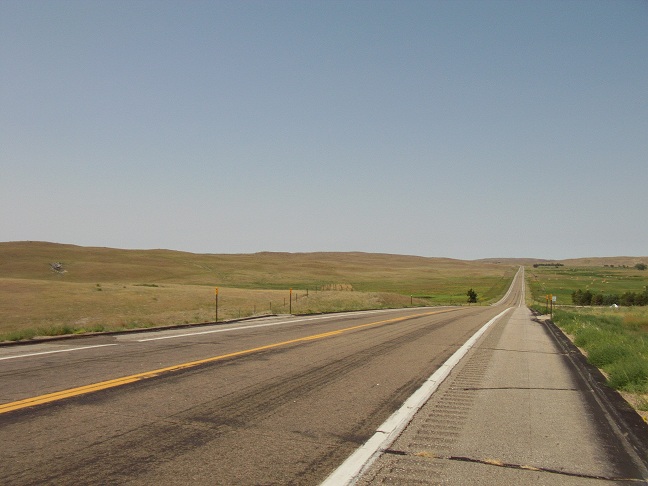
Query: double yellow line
{"x": 104, "y": 385}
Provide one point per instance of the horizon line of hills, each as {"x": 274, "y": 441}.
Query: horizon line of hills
{"x": 617, "y": 260}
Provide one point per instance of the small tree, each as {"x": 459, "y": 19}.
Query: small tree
{"x": 627, "y": 298}
{"x": 641, "y": 266}
{"x": 472, "y": 296}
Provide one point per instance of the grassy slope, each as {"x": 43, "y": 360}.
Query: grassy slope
{"x": 365, "y": 271}
{"x": 102, "y": 287}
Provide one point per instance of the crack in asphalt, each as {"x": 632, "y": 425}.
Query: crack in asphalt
{"x": 517, "y": 388}
{"x": 498, "y": 463}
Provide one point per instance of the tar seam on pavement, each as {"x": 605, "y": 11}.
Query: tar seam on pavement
{"x": 495, "y": 462}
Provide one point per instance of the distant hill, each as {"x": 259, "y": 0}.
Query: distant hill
{"x": 270, "y": 270}
{"x": 514, "y": 261}
{"x": 602, "y": 261}
{"x": 572, "y": 262}
{"x": 357, "y": 270}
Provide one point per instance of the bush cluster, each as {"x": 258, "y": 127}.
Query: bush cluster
{"x": 587, "y": 297}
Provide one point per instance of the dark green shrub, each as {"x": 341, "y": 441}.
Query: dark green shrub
{"x": 607, "y": 353}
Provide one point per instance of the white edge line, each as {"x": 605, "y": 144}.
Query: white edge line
{"x": 212, "y": 331}
{"x": 351, "y": 469}
{"x": 229, "y": 329}
{"x": 57, "y": 351}
{"x": 243, "y": 328}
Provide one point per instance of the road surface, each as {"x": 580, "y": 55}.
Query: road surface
{"x": 282, "y": 400}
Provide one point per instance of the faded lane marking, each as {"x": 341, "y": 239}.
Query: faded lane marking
{"x": 243, "y": 328}
{"x": 104, "y": 385}
{"x": 57, "y": 351}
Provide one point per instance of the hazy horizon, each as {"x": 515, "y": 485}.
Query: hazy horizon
{"x": 539, "y": 258}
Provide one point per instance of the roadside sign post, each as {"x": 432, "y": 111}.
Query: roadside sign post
{"x": 290, "y": 306}
{"x": 551, "y": 299}
{"x": 216, "y": 292}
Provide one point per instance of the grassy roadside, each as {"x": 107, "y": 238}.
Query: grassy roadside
{"x": 31, "y": 308}
{"x": 613, "y": 340}
{"x": 52, "y": 289}
{"x": 616, "y": 342}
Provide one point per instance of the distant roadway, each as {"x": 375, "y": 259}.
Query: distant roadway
{"x": 281, "y": 400}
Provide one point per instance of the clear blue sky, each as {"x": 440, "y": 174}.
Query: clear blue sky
{"x": 466, "y": 129}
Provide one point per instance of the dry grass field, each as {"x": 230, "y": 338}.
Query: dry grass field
{"x": 599, "y": 275}
{"x": 48, "y": 288}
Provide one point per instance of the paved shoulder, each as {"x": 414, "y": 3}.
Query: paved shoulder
{"x": 512, "y": 412}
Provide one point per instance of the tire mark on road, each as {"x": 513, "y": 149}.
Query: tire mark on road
{"x": 174, "y": 435}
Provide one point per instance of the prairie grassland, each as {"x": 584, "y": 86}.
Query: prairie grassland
{"x": 359, "y": 271}
{"x": 101, "y": 288}
{"x": 562, "y": 281}
{"x": 29, "y": 308}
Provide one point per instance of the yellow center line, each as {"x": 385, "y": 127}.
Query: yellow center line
{"x": 104, "y": 385}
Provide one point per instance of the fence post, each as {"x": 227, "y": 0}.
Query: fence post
{"x": 216, "y": 292}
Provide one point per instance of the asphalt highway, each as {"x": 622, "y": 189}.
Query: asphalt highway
{"x": 281, "y": 400}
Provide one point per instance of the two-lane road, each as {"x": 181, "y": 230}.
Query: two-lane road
{"x": 274, "y": 401}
